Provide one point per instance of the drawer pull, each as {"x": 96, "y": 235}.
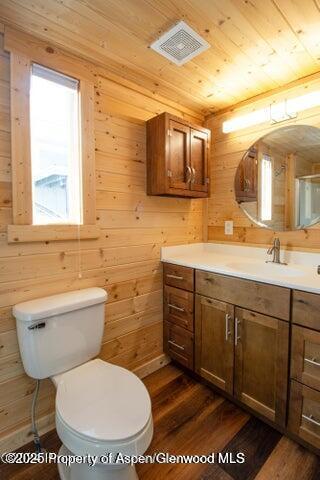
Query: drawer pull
{"x": 175, "y": 344}
{"x": 312, "y": 361}
{"x": 176, "y": 277}
{"x": 180, "y": 309}
{"x": 228, "y": 317}
{"x": 311, "y": 419}
{"x": 209, "y": 279}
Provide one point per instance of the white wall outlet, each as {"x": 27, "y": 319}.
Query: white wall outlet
{"x": 228, "y": 227}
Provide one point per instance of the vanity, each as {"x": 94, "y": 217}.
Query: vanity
{"x": 245, "y": 319}
{"x": 249, "y": 328}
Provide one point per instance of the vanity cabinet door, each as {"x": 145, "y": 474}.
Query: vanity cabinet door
{"x": 305, "y": 356}
{"x": 178, "y": 344}
{"x": 178, "y": 276}
{"x": 261, "y": 363}
{"x": 304, "y": 413}
{"x": 178, "y": 307}
{"x": 305, "y": 309}
{"x": 214, "y": 337}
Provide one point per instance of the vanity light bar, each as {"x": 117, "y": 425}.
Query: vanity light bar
{"x": 274, "y": 113}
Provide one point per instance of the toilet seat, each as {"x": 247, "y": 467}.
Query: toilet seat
{"x": 103, "y": 408}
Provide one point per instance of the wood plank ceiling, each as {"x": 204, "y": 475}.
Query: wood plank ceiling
{"x": 256, "y": 45}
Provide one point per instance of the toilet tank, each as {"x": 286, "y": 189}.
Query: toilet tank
{"x": 60, "y": 332}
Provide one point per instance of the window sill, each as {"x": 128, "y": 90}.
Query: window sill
{"x": 51, "y": 233}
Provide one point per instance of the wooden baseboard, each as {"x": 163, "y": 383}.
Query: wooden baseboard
{"x": 22, "y": 435}
{"x": 17, "y": 438}
{"x": 151, "y": 366}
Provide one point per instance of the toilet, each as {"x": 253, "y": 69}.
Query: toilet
{"x": 102, "y": 410}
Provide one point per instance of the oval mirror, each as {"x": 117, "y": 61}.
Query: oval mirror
{"x": 277, "y": 183}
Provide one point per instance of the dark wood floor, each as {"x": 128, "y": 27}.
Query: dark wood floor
{"x": 189, "y": 418}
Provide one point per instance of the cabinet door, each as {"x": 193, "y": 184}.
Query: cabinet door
{"x": 178, "y": 307}
{"x": 305, "y": 309}
{"x": 178, "y": 158}
{"x": 214, "y": 336}
{"x": 305, "y": 356}
{"x": 304, "y": 413}
{"x": 199, "y": 160}
{"x": 178, "y": 276}
{"x": 178, "y": 344}
{"x": 247, "y": 178}
{"x": 261, "y": 363}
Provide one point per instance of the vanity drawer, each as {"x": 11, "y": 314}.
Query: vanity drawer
{"x": 178, "y": 307}
{"x": 178, "y": 276}
{"x": 260, "y": 297}
{"x": 305, "y": 356}
{"x": 306, "y": 309}
{"x": 178, "y": 344}
{"x": 304, "y": 413}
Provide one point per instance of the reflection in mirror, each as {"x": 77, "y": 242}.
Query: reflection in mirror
{"x": 277, "y": 182}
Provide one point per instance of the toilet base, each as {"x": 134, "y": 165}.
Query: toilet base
{"x": 98, "y": 472}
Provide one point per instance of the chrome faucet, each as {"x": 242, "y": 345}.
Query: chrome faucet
{"x": 275, "y": 250}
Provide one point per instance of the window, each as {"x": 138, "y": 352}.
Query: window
{"x": 266, "y": 188}
{"x": 52, "y": 148}
{"x": 55, "y": 148}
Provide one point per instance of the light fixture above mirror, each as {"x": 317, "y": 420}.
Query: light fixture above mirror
{"x": 274, "y": 113}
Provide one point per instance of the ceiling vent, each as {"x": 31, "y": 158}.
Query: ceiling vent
{"x": 180, "y": 44}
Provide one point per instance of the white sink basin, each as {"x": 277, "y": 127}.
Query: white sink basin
{"x": 265, "y": 268}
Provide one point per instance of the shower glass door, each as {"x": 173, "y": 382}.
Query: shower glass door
{"x": 308, "y": 200}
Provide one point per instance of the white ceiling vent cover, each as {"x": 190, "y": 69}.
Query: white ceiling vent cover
{"x": 180, "y": 44}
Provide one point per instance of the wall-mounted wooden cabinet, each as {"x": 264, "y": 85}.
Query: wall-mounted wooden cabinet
{"x": 246, "y": 180}
{"x": 177, "y": 157}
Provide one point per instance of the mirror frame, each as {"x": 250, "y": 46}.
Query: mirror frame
{"x": 256, "y": 222}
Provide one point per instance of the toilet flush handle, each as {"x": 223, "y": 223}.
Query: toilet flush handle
{"x": 37, "y": 326}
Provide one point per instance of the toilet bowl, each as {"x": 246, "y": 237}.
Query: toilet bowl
{"x": 102, "y": 410}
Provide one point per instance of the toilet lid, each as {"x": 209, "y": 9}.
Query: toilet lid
{"x": 103, "y": 401}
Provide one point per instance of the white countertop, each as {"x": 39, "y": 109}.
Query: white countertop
{"x": 250, "y": 263}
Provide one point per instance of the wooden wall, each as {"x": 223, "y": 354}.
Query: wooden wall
{"x": 227, "y": 151}
{"x": 124, "y": 260}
